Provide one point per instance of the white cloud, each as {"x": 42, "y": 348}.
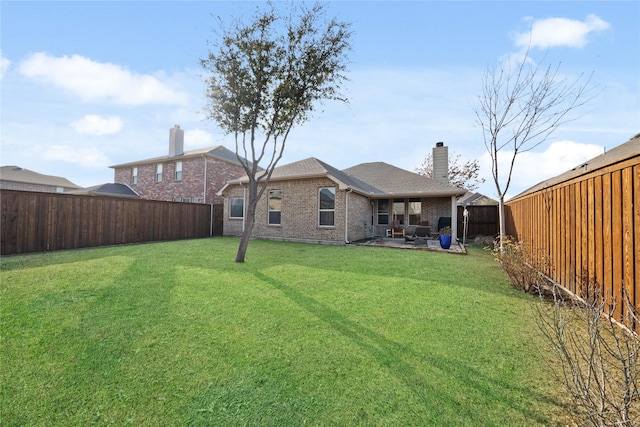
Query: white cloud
{"x": 86, "y": 157}
{"x": 4, "y": 66}
{"x": 553, "y": 32}
{"x": 198, "y": 138}
{"x": 534, "y": 167}
{"x": 92, "y": 124}
{"x": 96, "y": 82}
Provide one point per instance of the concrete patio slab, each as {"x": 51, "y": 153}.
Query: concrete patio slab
{"x": 424, "y": 245}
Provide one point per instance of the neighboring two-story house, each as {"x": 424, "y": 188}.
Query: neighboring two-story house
{"x": 193, "y": 176}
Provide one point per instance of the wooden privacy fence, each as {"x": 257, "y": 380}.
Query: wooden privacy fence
{"x": 483, "y": 221}
{"x": 37, "y": 222}
{"x": 585, "y": 230}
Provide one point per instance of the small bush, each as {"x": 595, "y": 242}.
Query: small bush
{"x": 524, "y": 276}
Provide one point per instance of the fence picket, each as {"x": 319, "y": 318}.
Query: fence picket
{"x": 36, "y": 222}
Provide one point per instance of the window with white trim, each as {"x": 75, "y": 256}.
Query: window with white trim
{"x": 178, "y": 171}
{"x": 159, "y": 172}
{"x": 275, "y": 206}
{"x": 134, "y": 175}
{"x": 236, "y": 207}
{"x": 327, "y": 207}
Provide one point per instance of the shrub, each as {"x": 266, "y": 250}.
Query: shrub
{"x": 524, "y": 276}
{"x": 597, "y": 357}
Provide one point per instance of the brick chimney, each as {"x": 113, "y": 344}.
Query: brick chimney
{"x": 441, "y": 162}
{"x": 176, "y": 141}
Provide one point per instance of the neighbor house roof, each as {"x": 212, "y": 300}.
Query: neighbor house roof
{"x": 219, "y": 152}
{"x": 618, "y": 154}
{"x": 470, "y": 198}
{"x": 370, "y": 179}
{"x": 118, "y": 190}
{"x": 26, "y": 176}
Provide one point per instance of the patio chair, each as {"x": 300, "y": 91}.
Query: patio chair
{"x": 397, "y": 228}
{"x": 421, "y": 234}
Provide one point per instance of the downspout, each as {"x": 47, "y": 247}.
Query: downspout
{"x": 204, "y": 191}
{"x": 346, "y": 217}
{"x": 454, "y": 218}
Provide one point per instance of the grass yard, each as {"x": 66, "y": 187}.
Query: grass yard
{"x": 177, "y": 333}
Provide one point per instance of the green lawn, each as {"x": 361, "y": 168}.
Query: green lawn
{"x": 177, "y": 333}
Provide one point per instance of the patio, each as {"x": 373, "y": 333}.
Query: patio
{"x": 422, "y": 245}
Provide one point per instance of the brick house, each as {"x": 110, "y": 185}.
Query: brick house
{"x": 311, "y": 201}
{"x": 17, "y": 178}
{"x": 182, "y": 176}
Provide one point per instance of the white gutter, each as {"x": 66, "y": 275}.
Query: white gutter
{"x": 346, "y": 216}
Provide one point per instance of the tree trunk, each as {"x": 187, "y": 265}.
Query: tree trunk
{"x": 501, "y": 218}
{"x": 250, "y": 216}
{"x": 244, "y": 239}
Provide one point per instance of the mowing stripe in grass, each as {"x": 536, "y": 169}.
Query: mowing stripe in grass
{"x": 177, "y": 333}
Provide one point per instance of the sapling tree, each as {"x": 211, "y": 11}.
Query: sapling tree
{"x": 268, "y": 74}
{"x": 521, "y": 105}
{"x": 464, "y": 175}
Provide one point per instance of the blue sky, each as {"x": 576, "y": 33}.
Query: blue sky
{"x": 86, "y": 85}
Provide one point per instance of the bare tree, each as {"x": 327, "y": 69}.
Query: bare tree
{"x": 464, "y": 175}
{"x": 266, "y": 76}
{"x": 598, "y": 359}
{"x": 521, "y": 105}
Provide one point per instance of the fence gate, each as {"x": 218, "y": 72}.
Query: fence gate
{"x": 483, "y": 221}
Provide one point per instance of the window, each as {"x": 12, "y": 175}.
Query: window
{"x": 159, "y": 173}
{"x": 383, "y": 212}
{"x": 134, "y": 175}
{"x": 236, "y": 207}
{"x": 59, "y": 189}
{"x": 275, "y": 206}
{"x": 327, "y": 207}
{"x": 415, "y": 211}
{"x": 178, "y": 171}
{"x": 398, "y": 210}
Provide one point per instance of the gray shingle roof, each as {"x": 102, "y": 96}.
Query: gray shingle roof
{"x": 18, "y": 174}
{"x": 220, "y": 152}
{"x": 393, "y": 181}
{"x": 371, "y": 179}
{"x": 109, "y": 189}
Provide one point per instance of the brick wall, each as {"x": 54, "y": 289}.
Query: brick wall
{"x": 191, "y": 186}
{"x": 299, "y": 215}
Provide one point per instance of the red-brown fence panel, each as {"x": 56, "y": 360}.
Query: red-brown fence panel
{"x": 38, "y": 222}
{"x": 592, "y": 234}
